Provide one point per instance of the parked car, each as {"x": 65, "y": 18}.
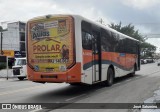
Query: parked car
{"x": 143, "y": 61}
{"x": 19, "y": 68}
{"x": 158, "y": 63}
{"x": 150, "y": 61}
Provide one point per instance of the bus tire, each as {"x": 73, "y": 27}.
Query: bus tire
{"x": 110, "y": 77}
{"x": 75, "y": 84}
{"x": 133, "y": 73}
{"x": 21, "y": 78}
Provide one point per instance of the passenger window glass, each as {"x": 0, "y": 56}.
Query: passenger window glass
{"x": 106, "y": 44}
{"x": 95, "y": 46}
{"x": 86, "y": 40}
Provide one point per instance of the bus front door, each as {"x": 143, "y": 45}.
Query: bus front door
{"x": 96, "y": 72}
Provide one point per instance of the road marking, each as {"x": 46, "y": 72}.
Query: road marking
{"x": 16, "y": 85}
{"x": 3, "y": 79}
{"x": 137, "y": 77}
{"x": 75, "y": 97}
{"x": 20, "y": 90}
{"x": 153, "y": 73}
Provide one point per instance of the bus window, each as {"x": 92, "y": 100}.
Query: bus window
{"x": 86, "y": 40}
{"x": 106, "y": 45}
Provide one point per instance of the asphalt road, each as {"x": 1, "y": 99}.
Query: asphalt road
{"x": 125, "y": 90}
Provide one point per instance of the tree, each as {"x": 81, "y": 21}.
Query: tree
{"x": 128, "y": 30}
{"x": 147, "y": 49}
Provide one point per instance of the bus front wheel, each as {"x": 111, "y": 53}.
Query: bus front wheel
{"x": 110, "y": 77}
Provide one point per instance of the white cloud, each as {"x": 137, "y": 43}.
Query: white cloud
{"x": 16, "y": 10}
{"x": 109, "y": 11}
{"x": 141, "y": 4}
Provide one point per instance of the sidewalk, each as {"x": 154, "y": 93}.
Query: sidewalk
{"x": 3, "y": 73}
{"x": 3, "y": 79}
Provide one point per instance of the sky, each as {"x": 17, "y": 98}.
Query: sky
{"x": 143, "y": 14}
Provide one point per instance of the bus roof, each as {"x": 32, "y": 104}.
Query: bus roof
{"x": 106, "y": 27}
{"x": 85, "y": 19}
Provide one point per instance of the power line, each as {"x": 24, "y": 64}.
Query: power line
{"x": 151, "y": 35}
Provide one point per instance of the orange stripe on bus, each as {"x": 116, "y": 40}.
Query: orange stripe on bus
{"x": 126, "y": 61}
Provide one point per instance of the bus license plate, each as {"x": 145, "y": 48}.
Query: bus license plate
{"x": 49, "y": 69}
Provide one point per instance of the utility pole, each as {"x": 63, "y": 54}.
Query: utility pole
{"x": 101, "y": 21}
{"x": 1, "y": 42}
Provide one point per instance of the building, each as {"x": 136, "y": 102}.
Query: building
{"x": 14, "y": 39}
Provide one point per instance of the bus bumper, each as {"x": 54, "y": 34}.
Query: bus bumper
{"x": 72, "y": 75}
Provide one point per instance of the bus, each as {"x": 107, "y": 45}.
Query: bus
{"x": 75, "y": 50}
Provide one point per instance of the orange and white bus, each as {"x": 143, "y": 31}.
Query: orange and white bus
{"x": 73, "y": 49}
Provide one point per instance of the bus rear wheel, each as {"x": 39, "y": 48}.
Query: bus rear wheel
{"x": 75, "y": 84}
{"x": 110, "y": 77}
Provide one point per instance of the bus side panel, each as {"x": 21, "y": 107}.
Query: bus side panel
{"x": 87, "y": 76}
{"x": 131, "y": 60}
{"x": 104, "y": 71}
{"x": 74, "y": 74}
{"x": 87, "y": 67}
{"x": 106, "y": 61}
{"x": 123, "y": 64}
{"x": 111, "y": 58}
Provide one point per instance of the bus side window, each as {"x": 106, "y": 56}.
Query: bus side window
{"x": 86, "y": 40}
{"x": 105, "y": 42}
{"x": 94, "y": 44}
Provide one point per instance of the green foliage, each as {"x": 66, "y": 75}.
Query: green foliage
{"x": 146, "y": 48}
{"x": 128, "y": 30}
